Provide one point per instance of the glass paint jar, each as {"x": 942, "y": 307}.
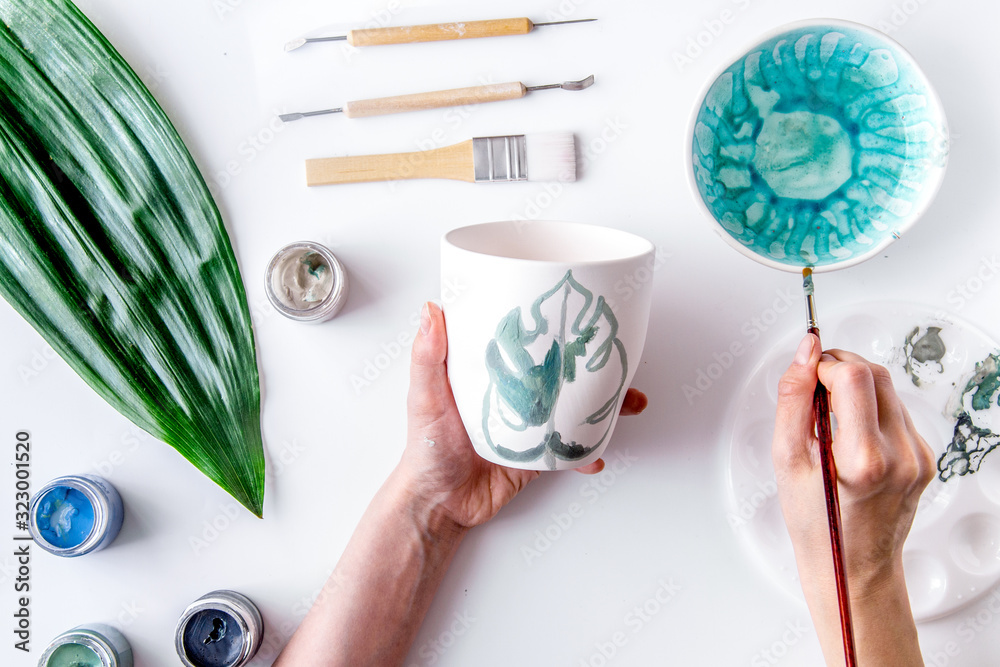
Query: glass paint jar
{"x": 92, "y": 645}
{"x": 304, "y": 281}
{"x": 221, "y": 629}
{"x": 76, "y": 515}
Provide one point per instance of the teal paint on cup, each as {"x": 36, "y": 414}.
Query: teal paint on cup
{"x": 819, "y": 146}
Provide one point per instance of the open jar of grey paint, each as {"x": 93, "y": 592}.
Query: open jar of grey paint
{"x": 306, "y": 282}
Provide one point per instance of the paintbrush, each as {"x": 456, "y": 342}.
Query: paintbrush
{"x": 821, "y": 410}
{"x": 523, "y": 157}
{"x": 432, "y": 32}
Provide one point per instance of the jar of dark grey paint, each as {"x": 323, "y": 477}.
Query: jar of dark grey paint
{"x": 85, "y": 643}
{"x": 221, "y": 629}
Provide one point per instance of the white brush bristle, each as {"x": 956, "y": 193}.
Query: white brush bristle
{"x": 551, "y": 156}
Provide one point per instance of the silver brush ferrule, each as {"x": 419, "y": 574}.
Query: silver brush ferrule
{"x": 812, "y": 321}
{"x": 500, "y": 158}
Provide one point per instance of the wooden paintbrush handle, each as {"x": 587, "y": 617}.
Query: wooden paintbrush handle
{"x": 452, "y": 162}
{"x": 436, "y": 32}
{"x": 821, "y": 408}
{"x": 455, "y": 97}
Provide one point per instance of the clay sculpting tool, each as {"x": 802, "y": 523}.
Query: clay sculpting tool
{"x": 432, "y": 32}
{"x": 821, "y": 410}
{"x": 493, "y": 92}
{"x": 532, "y": 157}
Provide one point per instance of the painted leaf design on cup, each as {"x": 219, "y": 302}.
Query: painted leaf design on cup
{"x": 549, "y": 376}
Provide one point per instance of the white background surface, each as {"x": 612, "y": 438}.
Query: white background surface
{"x": 218, "y": 68}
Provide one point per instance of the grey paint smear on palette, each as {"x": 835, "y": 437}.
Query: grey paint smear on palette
{"x": 923, "y": 353}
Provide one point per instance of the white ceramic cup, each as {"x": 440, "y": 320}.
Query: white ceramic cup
{"x": 546, "y": 323}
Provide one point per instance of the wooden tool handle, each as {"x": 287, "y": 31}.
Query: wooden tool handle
{"x": 436, "y": 32}
{"x": 493, "y": 92}
{"x": 452, "y": 162}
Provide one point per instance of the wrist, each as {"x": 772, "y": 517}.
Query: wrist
{"x": 427, "y": 511}
{"x": 879, "y": 585}
{"x": 877, "y": 582}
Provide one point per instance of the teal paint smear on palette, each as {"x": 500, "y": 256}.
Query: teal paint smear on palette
{"x": 818, "y": 145}
{"x": 973, "y": 439}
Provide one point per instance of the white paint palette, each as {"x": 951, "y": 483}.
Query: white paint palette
{"x": 952, "y": 555}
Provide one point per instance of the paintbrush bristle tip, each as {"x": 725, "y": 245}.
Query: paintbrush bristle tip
{"x": 551, "y": 156}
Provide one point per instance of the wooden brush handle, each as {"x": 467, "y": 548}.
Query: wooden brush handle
{"x": 452, "y": 162}
{"x": 455, "y": 97}
{"x": 436, "y": 32}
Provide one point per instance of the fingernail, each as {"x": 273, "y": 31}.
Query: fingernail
{"x": 804, "y": 352}
{"x": 425, "y": 319}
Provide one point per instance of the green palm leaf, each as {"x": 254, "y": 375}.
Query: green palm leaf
{"x": 113, "y": 249}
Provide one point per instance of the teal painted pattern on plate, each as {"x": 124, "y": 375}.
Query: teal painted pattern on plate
{"x": 819, "y": 145}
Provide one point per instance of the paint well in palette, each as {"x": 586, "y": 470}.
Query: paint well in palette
{"x": 819, "y": 146}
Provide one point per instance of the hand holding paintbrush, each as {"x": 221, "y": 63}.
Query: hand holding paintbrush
{"x": 883, "y": 465}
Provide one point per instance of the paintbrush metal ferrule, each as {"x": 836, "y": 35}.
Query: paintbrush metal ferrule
{"x": 809, "y": 290}
{"x": 500, "y": 159}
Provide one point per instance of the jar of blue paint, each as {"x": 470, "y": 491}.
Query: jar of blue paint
{"x": 221, "y": 629}
{"x": 76, "y": 515}
{"x": 93, "y": 645}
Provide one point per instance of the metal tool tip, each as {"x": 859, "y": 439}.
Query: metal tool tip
{"x": 294, "y": 44}
{"x": 563, "y": 22}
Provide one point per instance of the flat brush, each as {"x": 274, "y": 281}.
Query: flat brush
{"x": 821, "y": 410}
{"x": 493, "y": 92}
{"x": 532, "y": 157}
{"x": 432, "y": 32}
